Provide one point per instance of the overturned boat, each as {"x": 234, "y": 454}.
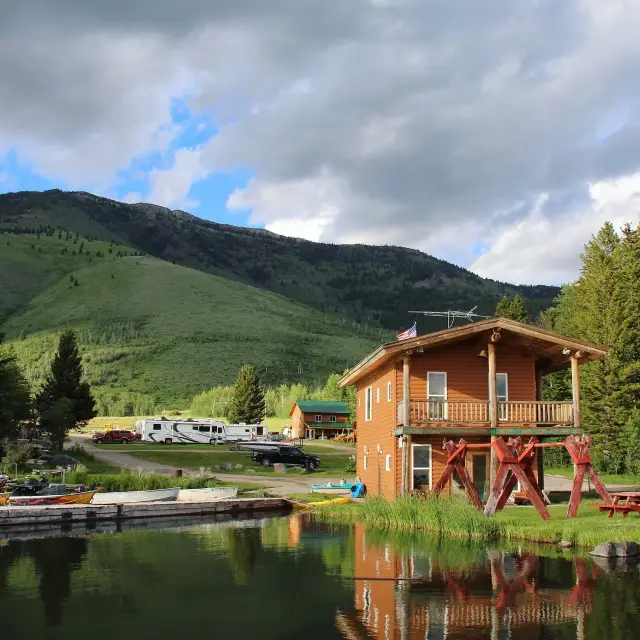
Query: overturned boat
{"x": 128, "y": 497}
{"x": 207, "y": 495}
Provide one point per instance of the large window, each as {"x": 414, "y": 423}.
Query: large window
{"x": 368, "y": 403}
{"x": 437, "y": 394}
{"x": 502, "y": 391}
{"x": 421, "y": 464}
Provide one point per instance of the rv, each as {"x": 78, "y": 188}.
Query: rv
{"x": 201, "y": 431}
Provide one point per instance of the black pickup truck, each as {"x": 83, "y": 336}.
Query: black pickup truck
{"x": 286, "y": 455}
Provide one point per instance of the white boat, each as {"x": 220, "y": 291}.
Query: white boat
{"x": 206, "y": 495}
{"x": 124, "y": 497}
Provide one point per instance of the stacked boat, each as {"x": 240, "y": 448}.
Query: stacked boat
{"x": 56, "y": 494}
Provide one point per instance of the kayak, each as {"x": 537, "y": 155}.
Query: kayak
{"x": 39, "y": 501}
{"x": 332, "y": 501}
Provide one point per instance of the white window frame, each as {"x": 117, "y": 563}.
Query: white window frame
{"x": 445, "y": 407}
{"x": 502, "y": 411}
{"x": 332, "y": 419}
{"x": 377, "y": 395}
{"x": 364, "y": 462}
{"x": 387, "y": 462}
{"x": 413, "y": 468}
{"x": 368, "y": 404}
{"x": 318, "y": 417}
{"x": 388, "y": 391}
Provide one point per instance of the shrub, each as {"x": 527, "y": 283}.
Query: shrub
{"x": 350, "y": 467}
{"x": 17, "y": 454}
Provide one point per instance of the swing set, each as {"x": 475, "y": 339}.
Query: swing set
{"x": 516, "y": 465}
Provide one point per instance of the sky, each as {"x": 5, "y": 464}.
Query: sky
{"x": 498, "y": 135}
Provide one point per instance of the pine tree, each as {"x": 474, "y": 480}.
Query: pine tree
{"x": 247, "y": 401}
{"x": 65, "y": 401}
{"x": 512, "y": 309}
{"x": 15, "y": 399}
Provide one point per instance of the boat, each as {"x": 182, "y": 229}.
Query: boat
{"x": 332, "y": 501}
{"x": 331, "y": 488}
{"x": 206, "y": 495}
{"x": 4, "y": 497}
{"x": 82, "y": 497}
{"x": 123, "y": 497}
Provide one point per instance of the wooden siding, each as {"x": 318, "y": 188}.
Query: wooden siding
{"x": 378, "y": 430}
{"x": 297, "y": 426}
{"x": 311, "y": 417}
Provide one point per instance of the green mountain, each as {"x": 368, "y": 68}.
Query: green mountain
{"x": 167, "y": 304}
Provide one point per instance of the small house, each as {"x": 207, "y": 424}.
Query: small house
{"x": 322, "y": 419}
{"x": 476, "y": 382}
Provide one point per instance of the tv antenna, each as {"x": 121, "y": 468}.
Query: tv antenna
{"x": 451, "y": 316}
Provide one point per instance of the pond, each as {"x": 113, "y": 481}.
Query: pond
{"x": 296, "y": 577}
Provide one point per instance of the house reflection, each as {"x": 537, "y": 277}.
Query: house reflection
{"x": 417, "y": 594}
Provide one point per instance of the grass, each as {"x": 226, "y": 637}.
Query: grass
{"x": 608, "y": 479}
{"x": 456, "y": 518}
{"x": 159, "y": 332}
{"x": 330, "y": 465}
{"x": 207, "y": 448}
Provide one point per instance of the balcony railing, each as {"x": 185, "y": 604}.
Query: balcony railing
{"x": 477, "y": 412}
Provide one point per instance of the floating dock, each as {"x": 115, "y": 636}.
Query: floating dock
{"x": 94, "y": 513}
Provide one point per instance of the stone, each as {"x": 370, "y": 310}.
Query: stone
{"x": 565, "y": 544}
{"x": 228, "y": 466}
{"x": 279, "y": 469}
{"x": 616, "y": 550}
{"x": 239, "y": 466}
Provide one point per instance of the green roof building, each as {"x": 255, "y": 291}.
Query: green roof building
{"x": 319, "y": 419}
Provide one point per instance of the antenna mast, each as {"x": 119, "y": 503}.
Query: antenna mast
{"x": 452, "y": 315}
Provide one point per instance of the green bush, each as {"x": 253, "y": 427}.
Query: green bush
{"x": 17, "y": 454}
{"x": 350, "y": 467}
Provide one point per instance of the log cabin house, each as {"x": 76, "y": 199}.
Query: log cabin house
{"x": 319, "y": 419}
{"x": 475, "y": 382}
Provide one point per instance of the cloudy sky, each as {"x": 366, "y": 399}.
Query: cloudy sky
{"x": 496, "y": 134}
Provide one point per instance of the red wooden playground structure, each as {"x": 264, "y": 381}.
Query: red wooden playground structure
{"x": 516, "y": 465}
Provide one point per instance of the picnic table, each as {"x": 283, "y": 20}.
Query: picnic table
{"x": 624, "y": 503}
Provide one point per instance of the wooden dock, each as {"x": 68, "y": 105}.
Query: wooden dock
{"x": 94, "y": 513}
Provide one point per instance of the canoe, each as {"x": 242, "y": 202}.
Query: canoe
{"x": 4, "y": 497}
{"x": 206, "y": 495}
{"x": 38, "y": 501}
{"x": 125, "y": 497}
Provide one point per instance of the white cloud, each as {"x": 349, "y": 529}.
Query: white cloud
{"x": 170, "y": 187}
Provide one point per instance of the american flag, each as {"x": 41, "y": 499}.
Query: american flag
{"x": 411, "y": 332}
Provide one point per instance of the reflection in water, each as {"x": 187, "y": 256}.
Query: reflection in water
{"x": 299, "y": 578}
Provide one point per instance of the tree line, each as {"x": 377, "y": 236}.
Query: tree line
{"x": 603, "y": 307}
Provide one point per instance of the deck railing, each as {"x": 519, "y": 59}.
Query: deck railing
{"x": 477, "y": 412}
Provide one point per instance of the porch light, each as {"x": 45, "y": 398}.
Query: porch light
{"x": 482, "y": 354}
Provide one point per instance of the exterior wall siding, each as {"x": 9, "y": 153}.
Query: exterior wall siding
{"x": 378, "y": 430}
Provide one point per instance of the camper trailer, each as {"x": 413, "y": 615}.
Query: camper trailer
{"x": 200, "y": 431}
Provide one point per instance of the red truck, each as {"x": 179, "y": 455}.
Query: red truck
{"x": 114, "y": 435}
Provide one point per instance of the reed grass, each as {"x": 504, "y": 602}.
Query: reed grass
{"x": 133, "y": 480}
{"x": 455, "y": 518}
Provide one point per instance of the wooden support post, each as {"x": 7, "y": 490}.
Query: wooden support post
{"x": 456, "y": 462}
{"x": 493, "y": 408}
{"x": 575, "y": 388}
{"x": 406, "y": 391}
{"x": 403, "y": 478}
{"x": 409, "y": 478}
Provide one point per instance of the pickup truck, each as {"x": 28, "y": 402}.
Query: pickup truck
{"x": 113, "y": 436}
{"x": 286, "y": 455}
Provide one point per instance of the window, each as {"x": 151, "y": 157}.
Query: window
{"x": 247, "y": 430}
{"x": 421, "y": 464}
{"x": 220, "y": 429}
{"x": 318, "y": 418}
{"x": 387, "y": 462}
{"x": 368, "y": 403}
{"x": 502, "y": 391}
{"x": 364, "y": 460}
{"x": 205, "y": 429}
{"x": 437, "y": 394}
{"x": 195, "y": 427}
{"x": 260, "y": 431}
{"x": 157, "y": 427}
{"x": 377, "y": 395}
{"x": 332, "y": 418}
{"x": 388, "y": 392}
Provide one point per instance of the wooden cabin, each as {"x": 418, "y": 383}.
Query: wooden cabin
{"x": 319, "y": 419}
{"x": 477, "y": 381}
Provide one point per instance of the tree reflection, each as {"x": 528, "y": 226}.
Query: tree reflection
{"x": 244, "y": 546}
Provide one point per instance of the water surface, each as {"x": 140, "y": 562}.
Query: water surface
{"x": 295, "y": 577}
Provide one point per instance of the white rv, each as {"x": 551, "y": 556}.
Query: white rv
{"x": 200, "y": 431}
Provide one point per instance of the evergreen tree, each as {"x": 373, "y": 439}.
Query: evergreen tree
{"x": 15, "y": 399}
{"x": 65, "y": 401}
{"x": 512, "y": 309}
{"x": 247, "y": 401}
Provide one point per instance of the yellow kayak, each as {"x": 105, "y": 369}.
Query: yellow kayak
{"x": 4, "y": 497}
{"x": 332, "y": 501}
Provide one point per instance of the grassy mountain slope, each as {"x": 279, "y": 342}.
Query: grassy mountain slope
{"x": 147, "y": 326}
{"x": 371, "y": 285}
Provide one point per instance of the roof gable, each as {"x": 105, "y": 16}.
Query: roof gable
{"x": 322, "y": 406}
{"x": 541, "y": 338}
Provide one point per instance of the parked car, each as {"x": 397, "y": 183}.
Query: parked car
{"x": 275, "y": 437}
{"x": 286, "y": 455}
{"x": 115, "y": 435}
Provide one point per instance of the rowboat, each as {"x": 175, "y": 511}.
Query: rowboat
{"x": 3, "y": 499}
{"x": 83, "y": 497}
{"x": 331, "y": 488}
{"x": 124, "y": 497}
{"x": 206, "y": 495}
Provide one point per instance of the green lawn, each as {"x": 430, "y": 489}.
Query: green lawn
{"x": 330, "y": 465}
{"x": 608, "y": 479}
